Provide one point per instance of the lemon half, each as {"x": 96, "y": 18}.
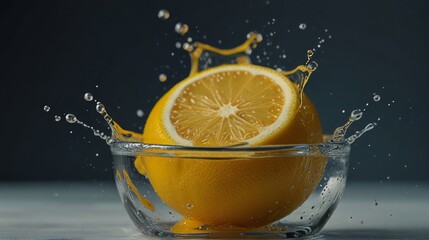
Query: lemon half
{"x": 227, "y": 105}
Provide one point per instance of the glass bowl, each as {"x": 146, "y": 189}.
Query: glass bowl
{"x": 309, "y": 194}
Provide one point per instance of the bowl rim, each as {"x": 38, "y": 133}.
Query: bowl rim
{"x": 243, "y": 150}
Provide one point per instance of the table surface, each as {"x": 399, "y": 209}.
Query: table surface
{"x": 93, "y": 211}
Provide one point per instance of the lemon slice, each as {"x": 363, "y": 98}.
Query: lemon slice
{"x": 227, "y": 105}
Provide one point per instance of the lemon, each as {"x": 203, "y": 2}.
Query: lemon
{"x": 227, "y": 105}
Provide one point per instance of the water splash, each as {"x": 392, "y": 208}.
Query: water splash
{"x": 117, "y": 132}
{"x": 71, "y": 118}
{"x": 340, "y": 132}
{"x": 300, "y": 76}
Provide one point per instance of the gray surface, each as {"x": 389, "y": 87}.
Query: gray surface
{"x": 93, "y": 211}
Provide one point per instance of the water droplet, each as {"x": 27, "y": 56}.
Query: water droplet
{"x": 163, "y": 14}
{"x": 189, "y": 205}
{"x": 46, "y": 108}
{"x": 162, "y": 77}
{"x": 100, "y": 108}
{"x": 356, "y": 115}
{"x": 188, "y": 47}
{"x": 88, "y": 97}
{"x": 302, "y": 26}
{"x": 109, "y": 140}
{"x": 388, "y": 178}
{"x": 376, "y": 98}
{"x": 181, "y": 28}
{"x": 259, "y": 38}
{"x": 249, "y": 51}
{"x": 57, "y": 118}
{"x": 139, "y": 113}
{"x": 178, "y": 45}
{"x": 343, "y": 111}
{"x": 312, "y": 66}
{"x": 70, "y": 118}
{"x": 96, "y": 154}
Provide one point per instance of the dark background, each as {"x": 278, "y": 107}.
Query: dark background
{"x": 52, "y": 52}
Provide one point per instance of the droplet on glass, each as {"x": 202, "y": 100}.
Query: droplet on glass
{"x": 139, "y": 113}
{"x": 70, "y": 118}
{"x": 57, "y": 118}
{"x": 163, "y": 14}
{"x": 162, "y": 77}
{"x": 178, "y": 45}
{"x": 46, "y": 108}
{"x": 181, "y": 28}
{"x": 88, "y": 97}
{"x": 189, "y": 205}
{"x": 302, "y": 26}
